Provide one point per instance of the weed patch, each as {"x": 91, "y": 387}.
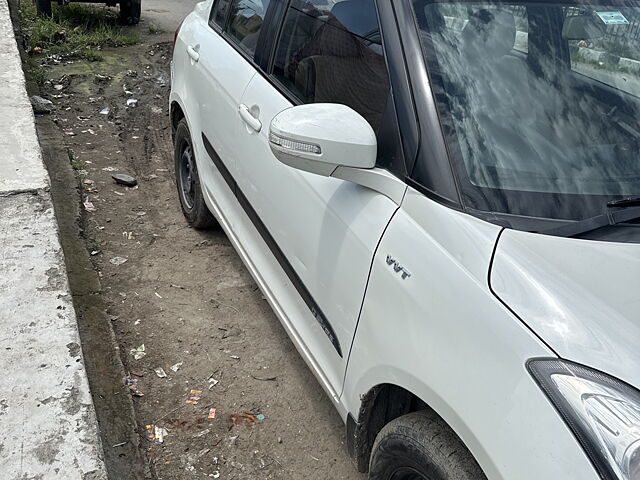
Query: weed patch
{"x": 74, "y": 28}
{"x": 38, "y": 75}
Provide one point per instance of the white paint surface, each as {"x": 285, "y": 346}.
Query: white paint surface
{"x": 581, "y": 296}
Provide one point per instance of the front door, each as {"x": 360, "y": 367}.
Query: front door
{"x": 323, "y": 230}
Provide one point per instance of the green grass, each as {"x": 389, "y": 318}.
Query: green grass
{"x": 75, "y": 28}
{"x": 75, "y": 163}
{"x": 155, "y": 30}
{"x": 94, "y": 56}
{"x": 37, "y": 74}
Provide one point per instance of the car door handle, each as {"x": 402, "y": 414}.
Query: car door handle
{"x": 195, "y": 56}
{"x": 249, "y": 119}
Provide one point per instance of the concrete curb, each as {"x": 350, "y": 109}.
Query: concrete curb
{"x": 47, "y": 417}
{"x": 607, "y": 58}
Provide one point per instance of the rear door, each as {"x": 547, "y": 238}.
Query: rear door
{"x": 219, "y": 74}
{"x": 324, "y": 231}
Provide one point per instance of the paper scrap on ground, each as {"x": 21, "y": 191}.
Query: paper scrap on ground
{"x": 194, "y": 397}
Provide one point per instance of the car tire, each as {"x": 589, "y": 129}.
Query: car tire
{"x": 130, "y": 11}
{"x": 421, "y": 446}
{"x": 188, "y": 181}
{"x": 43, "y": 7}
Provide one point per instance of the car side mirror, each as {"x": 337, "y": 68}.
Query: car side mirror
{"x": 320, "y": 137}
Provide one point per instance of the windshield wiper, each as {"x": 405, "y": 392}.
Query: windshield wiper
{"x": 617, "y": 212}
{"x": 625, "y": 202}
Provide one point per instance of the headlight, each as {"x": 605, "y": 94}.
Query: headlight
{"x": 602, "y": 412}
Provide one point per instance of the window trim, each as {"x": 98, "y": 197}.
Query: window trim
{"x": 268, "y": 72}
{"x": 433, "y": 150}
{"x": 401, "y": 92}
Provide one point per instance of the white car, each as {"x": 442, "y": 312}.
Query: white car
{"x": 440, "y": 203}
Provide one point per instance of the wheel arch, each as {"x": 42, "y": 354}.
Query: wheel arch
{"x": 176, "y": 113}
{"x": 380, "y": 405}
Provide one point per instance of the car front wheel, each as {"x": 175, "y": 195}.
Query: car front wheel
{"x": 420, "y": 446}
{"x": 188, "y": 181}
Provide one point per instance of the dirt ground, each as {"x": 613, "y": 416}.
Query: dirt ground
{"x": 182, "y": 294}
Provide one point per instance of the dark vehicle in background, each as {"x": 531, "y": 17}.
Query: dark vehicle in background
{"x": 129, "y": 9}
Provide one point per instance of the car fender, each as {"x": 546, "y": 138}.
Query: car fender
{"x": 443, "y": 336}
{"x": 181, "y": 68}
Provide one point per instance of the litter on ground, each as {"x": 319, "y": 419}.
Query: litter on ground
{"x": 194, "y": 397}
{"x": 156, "y": 434}
{"x": 88, "y": 206}
{"x": 138, "y": 352}
{"x": 133, "y": 388}
{"x": 246, "y": 418}
{"x": 118, "y": 261}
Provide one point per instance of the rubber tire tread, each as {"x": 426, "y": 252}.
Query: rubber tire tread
{"x": 130, "y": 11}
{"x": 199, "y": 216}
{"x": 424, "y": 442}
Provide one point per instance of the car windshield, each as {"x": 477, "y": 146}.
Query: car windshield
{"x": 539, "y": 102}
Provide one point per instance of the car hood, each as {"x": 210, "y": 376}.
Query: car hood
{"x": 581, "y": 297}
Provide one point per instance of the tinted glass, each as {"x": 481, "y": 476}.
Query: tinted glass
{"x": 550, "y": 133}
{"x": 219, "y": 12}
{"x": 246, "y": 21}
{"x": 332, "y": 52}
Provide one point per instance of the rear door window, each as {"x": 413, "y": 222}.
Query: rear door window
{"x": 332, "y": 52}
{"x": 219, "y": 13}
{"x": 247, "y": 17}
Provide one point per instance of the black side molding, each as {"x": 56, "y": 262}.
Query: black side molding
{"x": 273, "y": 246}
